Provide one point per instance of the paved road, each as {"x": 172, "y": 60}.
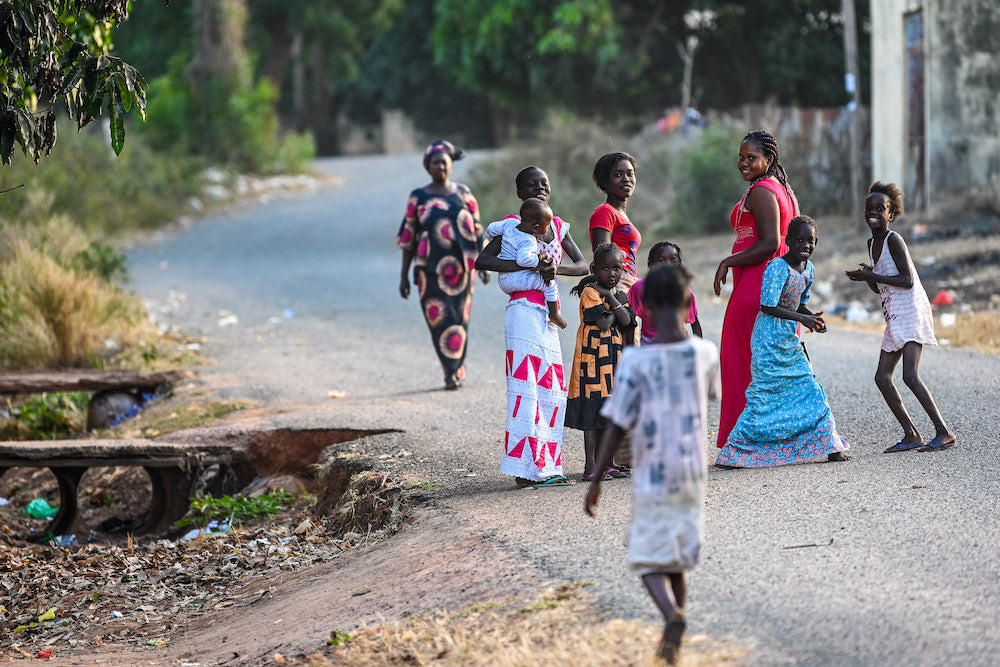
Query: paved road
{"x": 912, "y": 575}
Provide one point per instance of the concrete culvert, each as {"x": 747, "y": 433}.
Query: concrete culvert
{"x": 287, "y": 451}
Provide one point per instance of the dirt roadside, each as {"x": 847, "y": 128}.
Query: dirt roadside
{"x": 432, "y": 564}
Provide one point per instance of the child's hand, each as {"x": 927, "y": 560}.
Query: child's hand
{"x": 862, "y": 274}
{"x": 814, "y": 322}
{"x": 601, "y": 289}
{"x": 593, "y": 493}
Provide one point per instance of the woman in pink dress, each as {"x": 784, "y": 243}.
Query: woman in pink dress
{"x": 760, "y": 219}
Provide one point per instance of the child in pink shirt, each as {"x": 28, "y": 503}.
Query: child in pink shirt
{"x": 661, "y": 253}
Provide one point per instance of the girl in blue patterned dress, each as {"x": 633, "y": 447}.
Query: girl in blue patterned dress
{"x": 787, "y": 417}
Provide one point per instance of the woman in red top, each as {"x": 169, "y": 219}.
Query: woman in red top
{"x": 614, "y": 174}
{"x": 760, "y": 219}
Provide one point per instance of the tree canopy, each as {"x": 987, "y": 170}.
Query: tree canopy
{"x": 52, "y": 50}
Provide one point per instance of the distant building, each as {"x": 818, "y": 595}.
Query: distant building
{"x": 936, "y": 99}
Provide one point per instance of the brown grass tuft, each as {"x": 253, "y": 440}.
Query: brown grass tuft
{"x": 979, "y": 331}
{"x": 52, "y": 315}
{"x": 560, "y": 627}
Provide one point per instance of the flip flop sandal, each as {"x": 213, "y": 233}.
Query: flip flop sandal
{"x": 936, "y": 445}
{"x": 590, "y": 478}
{"x": 557, "y": 480}
{"x": 615, "y": 473}
{"x": 902, "y": 446}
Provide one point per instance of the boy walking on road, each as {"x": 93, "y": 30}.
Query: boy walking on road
{"x": 660, "y": 396}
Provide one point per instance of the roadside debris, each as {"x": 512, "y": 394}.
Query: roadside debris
{"x": 39, "y": 509}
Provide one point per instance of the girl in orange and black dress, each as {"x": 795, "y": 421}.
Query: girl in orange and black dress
{"x": 441, "y": 237}
{"x": 607, "y": 325}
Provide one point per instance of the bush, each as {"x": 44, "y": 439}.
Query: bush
{"x": 234, "y": 128}
{"x": 686, "y": 183}
{"x": 54, "y": 311}
{"x": 51, "y": 416}
{"x": 103, "y": 194}
{"x": 707, "y": 183}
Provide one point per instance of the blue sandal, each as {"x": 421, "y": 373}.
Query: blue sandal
{"x": 936, "y": 445}
{"x": 902, "y": 446}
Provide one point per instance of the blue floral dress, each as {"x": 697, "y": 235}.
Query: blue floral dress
{"x": 787, "y": 417}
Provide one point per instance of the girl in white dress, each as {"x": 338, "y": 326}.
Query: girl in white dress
{"x": 909, "y": 323}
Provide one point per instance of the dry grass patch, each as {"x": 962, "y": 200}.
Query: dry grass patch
{"x": 53, "y": 310}
{"x": 979, "y": 331}
{"x": 562, "y": 626}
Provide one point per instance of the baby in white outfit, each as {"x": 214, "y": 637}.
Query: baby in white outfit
{"x": 520, "y": 243}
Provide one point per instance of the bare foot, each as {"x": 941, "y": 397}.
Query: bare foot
{"x": 557, "y": 320}
{"x": 837, "y": 456}
{"x": 670, "y": 642}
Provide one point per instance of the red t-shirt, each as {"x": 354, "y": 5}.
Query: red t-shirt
{"x": 623, "y": 233}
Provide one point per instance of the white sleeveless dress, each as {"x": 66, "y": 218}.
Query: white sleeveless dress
{"x": 908, "y": 315}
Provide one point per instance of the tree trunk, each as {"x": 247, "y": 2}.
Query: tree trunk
{"x": 279, "y": 49}
{"x": 323, "y": 121}
{"x": 219, "y": 26}
{"x": 298, "y": 84}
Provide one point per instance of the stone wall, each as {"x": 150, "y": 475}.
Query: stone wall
{"x": 815, "y": 149}
{"x": 963, "y": 97}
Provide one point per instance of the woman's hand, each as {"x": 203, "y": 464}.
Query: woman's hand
{"x": 627, "y": 280}
{"x": 485, "y": 277}
{"x": 404, "y": 287}
{"x": 862, "y": 274}
{"x": 546, "y": 267}
{"x": 720, "y": 277}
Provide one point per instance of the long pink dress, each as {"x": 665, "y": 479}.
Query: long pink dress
{"x": 744, "y": 304}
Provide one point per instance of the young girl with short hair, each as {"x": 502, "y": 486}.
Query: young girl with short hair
{"x": 662, "y": 252}
{"x": 909, "y": 323}
{"x": 607, "y": 325}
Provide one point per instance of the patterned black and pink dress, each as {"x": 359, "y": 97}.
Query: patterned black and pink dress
{"x": 445, "y": 232}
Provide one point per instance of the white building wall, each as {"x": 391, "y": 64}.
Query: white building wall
{"x": 888, "y": 81}
{"x": 961, "y": 96}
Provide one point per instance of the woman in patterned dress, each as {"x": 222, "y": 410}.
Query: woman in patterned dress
{"x": 536, "y": 390}
{"x": 441, "y": 237}
{"x": 787, "y": 418}
{"x": 760, "y": 220}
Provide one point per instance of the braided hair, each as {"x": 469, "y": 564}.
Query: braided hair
{"x": 802, "y": 221}
{"x": 658, "y": 247}
{"x": 768, "y": 145}
{"x": 892, "y": 193}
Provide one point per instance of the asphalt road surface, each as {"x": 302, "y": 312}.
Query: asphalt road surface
{"x": 885, "y": 559}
